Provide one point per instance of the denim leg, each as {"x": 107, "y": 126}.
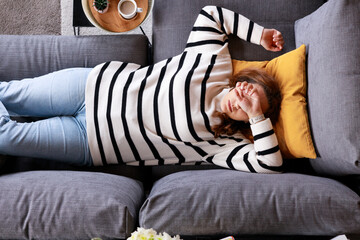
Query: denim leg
{"x": 61, "y": 93}
{"x": 60, "y": 96}
{"x": 57, "y": 138}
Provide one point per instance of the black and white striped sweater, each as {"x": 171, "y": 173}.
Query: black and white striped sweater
{"x": 163, "y": 113}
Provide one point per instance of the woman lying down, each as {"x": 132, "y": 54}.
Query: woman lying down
{"x": 184, "y": 110}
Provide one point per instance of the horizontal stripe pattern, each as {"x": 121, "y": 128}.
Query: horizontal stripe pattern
{"x": 207, "y": 15}
{"x": 96, "y": 106}
{"x": 149, "y": 110}
{"x": 206, "y": 42}
{"x": 263, "y": 135}
{"x": 206, "y": 29}
{"x": 269, "y": 151}
{"x": 163, "y": 113}
{"x": 250, "y": 29}
{"x": 214, "y": 24}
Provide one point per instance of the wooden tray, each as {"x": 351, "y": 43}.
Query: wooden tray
{"x": 113, "y": 21}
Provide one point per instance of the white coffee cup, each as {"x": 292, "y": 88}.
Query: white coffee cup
{"x": 128, "y": 9}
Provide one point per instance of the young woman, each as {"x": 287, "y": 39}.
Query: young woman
{"x": 167, "y": 113}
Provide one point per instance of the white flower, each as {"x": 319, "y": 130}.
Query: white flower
{"x": 150, "y": 234}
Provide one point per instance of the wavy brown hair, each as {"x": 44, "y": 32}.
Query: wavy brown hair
{"x": 229, "y": 126}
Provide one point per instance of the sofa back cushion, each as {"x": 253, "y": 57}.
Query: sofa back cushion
{"x": 332, "y": 36}
{"x": 173, "y": 21}
{"x": 32, "y": 56}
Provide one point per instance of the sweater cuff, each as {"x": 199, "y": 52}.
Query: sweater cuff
{"x": 256, "y": 34}
{"x": 261, "y": 127}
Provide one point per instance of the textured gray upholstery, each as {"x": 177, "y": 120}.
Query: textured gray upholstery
{"x": 230, "y": 202}
{"x": 173, "y": 21}
{"x": 332, "y": 36}
{"x": 68, "y": 205}
{"x": 32, "y": 56}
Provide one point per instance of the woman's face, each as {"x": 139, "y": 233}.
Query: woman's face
{"x": 230, "y": 106}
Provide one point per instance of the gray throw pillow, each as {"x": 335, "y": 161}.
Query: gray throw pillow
{"x": 226, "y": 202}
{"x": 332, "y": 37}
{"x": 68, "y": 205}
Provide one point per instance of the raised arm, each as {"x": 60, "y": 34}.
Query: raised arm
{"x": 214, "y": 25}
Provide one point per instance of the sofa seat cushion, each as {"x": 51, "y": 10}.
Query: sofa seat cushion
{"x": 173, "y": 21}
{"x": 68, "y": 205}
{"x": 332, "y": 37}
{"x": 226, "y": 202}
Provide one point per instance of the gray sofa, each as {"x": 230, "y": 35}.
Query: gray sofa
{"x": 313, "y": 199}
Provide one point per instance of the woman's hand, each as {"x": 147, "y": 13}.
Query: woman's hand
{"x": 248, "y": 99}
{"x": 272, "y": 40}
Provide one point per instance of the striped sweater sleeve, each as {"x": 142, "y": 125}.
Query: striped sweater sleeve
{"x": 214, "y": 25}
{"x": 262, "y": 156}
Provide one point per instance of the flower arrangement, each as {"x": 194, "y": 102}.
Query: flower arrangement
{"x": 150, "y": 234}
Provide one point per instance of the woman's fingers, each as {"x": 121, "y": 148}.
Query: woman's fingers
{"x": 277, "y": 35}
{"x": 249, "y": 88}
{"x": 272, "y": 40}
{"x": 245, "y": 89}
{"x": 238, "y": 94}
{"x": 243, "y": 85}
{"x": 278, "y": 40}
{"x": 251, "y": 92}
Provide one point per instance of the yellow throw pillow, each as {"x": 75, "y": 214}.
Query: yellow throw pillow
{"x": 292, "y": 128}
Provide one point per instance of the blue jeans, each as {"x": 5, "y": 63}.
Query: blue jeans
{"x": 60, "y": 98}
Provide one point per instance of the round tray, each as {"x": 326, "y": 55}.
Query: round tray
{"x": 112, "y": 21}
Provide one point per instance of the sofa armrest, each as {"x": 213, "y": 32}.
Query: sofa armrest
{"x": 332, "y": 37}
